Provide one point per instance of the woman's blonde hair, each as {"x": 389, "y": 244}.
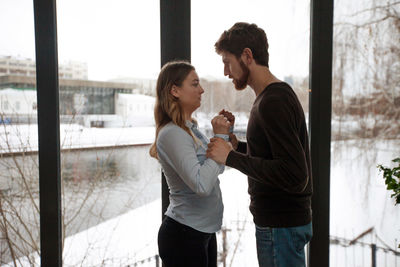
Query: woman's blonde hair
{"x": 167, "y": 107}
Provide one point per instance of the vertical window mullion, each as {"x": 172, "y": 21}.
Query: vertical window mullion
{"x": 321, "y": 37}
{"x": 48, "y": 132}
{"x": 175, "y": 44}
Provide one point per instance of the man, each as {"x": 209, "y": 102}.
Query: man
{"x": 276, "y": 157}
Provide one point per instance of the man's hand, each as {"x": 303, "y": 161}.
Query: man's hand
{"x": 220, "y": 125}
{"x": 218, "y": 150}
{"x": 233, "y": 140}
{"x": 228, "y": 115}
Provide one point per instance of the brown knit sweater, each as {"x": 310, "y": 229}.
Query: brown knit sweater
{"x": 276, "y": 159}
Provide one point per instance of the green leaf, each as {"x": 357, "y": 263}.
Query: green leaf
{"x": 392, "y": 179}
{"x": 396, "y": 160}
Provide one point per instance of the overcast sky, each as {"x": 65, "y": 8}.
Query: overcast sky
{"x": 121, "y": 38}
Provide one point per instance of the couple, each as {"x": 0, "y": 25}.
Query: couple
{"x": 275, "y": 158}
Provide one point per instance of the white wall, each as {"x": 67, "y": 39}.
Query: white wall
{"x": 135, "y": 109}
{"x": 18, "y": 102}
{"x": 127, "y": 105}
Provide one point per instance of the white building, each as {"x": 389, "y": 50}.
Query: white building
{"x": 130, "y": 109}
{"x": 18, "y": 102}
{"x": 27, "y": 67}
{"x": 135, "y": 109}
{"x": 142, "y": 86}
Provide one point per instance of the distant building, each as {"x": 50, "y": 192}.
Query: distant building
{"x": 128, "y": 105}
{"x": 143, "y": 86}
{"x": 20, "y": 105}
{"x": 91, "y": 103}
{"x": 27, "y": 67}
{"x": 18, "y": 102}
{"x": 135, "y": 109}
{"x": 77, "y": 96}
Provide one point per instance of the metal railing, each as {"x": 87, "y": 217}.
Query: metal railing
{"x": 358, "y": 252}
{"x": 146, "y": 262}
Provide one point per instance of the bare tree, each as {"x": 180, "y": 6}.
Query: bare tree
{"x": 366, "y": 70}
{"x": 86, "y": 191}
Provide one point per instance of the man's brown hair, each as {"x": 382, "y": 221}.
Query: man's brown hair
{"x": 244, "y": 35}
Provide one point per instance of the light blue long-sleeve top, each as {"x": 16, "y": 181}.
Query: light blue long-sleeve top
{"x": 195, "y": 196}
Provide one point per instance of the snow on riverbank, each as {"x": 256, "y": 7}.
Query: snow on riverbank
{"x": 24, "y": 137}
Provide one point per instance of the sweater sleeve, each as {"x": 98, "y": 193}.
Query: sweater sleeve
{"x": 287, "y": 169}
{"x": 177, "y": 148}
{"x": 242, "y": 147}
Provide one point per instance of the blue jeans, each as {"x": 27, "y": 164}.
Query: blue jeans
{"x": 282, "y": 247}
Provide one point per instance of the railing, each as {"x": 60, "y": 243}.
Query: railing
{"x": 357, "y": 252}
{"x": 147, "y": 262}
{"x": 343, "y": 252}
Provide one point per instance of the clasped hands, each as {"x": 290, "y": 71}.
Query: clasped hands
{"x": 218, "y": 149}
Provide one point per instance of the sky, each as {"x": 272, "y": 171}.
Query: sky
{"x": 122, "y": 39}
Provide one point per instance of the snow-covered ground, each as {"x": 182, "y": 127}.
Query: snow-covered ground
{"x": 359, "y": 199}
{"x": 24, "y": 137}
{"x": 132, "y": 237}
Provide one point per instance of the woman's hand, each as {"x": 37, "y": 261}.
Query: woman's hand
{"x": 220, "y": 125}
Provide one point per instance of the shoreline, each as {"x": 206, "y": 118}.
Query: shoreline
{"x": 23, "y": 139}
{"x": 72, "y": 149}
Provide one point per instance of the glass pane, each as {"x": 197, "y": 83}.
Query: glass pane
{"x": 286, "y": 24}
{"x": 109, "y": 57}
{"x": 365, "y": 132}
{"x": 19, "y": 178}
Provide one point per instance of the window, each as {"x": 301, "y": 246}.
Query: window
{"x": 108, "y": 183}
{"x": 363, "y": 135}
{"x": 289, "y": 51}
{"x": 18, "y": 141}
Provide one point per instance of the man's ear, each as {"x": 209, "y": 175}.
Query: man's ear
{"x": 247, "y": 56}
{"x": 175, "y": 91}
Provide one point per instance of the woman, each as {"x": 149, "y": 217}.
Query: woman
{"x": 187, "y": 234}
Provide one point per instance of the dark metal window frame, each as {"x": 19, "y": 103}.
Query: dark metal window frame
{"x": 49, "y": 132}
{"x": 175, "y": 44}
{"x": 320, "y": 103}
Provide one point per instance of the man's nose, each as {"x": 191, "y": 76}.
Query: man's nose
{"x": 226, "y": 71}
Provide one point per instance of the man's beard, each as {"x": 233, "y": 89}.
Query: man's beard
{"x": 241, "y": 83}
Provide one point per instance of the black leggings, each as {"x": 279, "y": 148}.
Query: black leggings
{"x": 182, "y": 246}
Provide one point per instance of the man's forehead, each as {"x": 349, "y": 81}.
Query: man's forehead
{"x": 226, "y": 56}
